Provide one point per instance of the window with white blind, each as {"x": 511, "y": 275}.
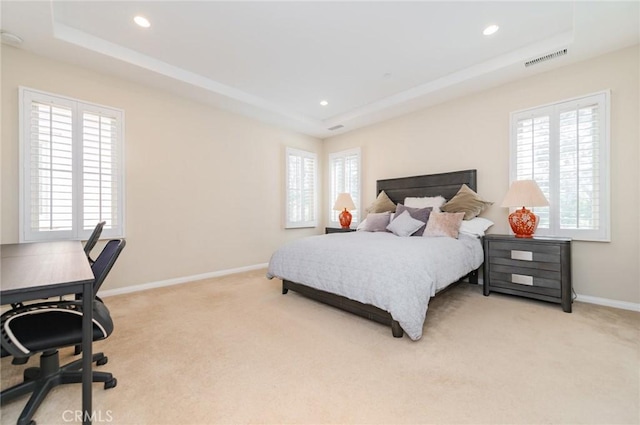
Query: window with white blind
{"x": 72, "y": 168}
{"x": 564, "y": 147}
{"x": 344, "y": 169}
{"x": 302, "y": 187}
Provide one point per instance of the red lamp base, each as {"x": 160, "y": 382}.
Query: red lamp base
{"x": 345, "y": 219}
{"x": 523, "y": 223}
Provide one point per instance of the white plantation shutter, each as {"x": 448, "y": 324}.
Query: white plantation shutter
{"x": 51, "y": 169}
{"x": 345, "y": 177}
{"x": 72, "y": 173}
{"x": 101, "y": 171}
{"x": 565, "y": 148}
{"x": 301, "y": 190}
{"x": 533, "y": 156}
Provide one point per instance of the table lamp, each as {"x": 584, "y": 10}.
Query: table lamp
{"x": 344, "y": 203}
{"x": 524, "y": 193}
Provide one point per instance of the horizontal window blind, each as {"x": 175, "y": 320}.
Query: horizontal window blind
{"x": 72, "y": 174}
{"x": 564, "y": 148}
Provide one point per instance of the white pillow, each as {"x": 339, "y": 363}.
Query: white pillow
{"x": 404, "y": 225}
{"x": 476, "y": 226}
{"x": 434, "y": 202}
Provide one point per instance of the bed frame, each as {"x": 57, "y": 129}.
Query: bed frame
{"x": 445, "y": 184}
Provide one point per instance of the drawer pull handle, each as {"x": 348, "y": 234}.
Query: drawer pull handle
{"x": 521, "y": 255}
{"x": 522, "y": 279}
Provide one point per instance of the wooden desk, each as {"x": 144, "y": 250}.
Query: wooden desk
{"x": 33, "y": 271}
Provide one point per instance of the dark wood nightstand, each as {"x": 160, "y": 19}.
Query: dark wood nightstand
{"x": 538, "y": 268}
{"x": 328, "y": 230}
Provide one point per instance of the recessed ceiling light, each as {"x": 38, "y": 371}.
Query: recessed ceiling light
{"x": 491, "y": 29}
{"x": 324, "y": 103}
{"x": 142, "y": 21}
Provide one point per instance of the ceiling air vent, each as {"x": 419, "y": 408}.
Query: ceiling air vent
{"x": 336, "y": 127}
{"x": 546, "y": 57}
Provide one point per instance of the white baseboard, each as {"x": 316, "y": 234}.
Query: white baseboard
{"x": 179, "y": 280}
{"x": 624, "y": 305}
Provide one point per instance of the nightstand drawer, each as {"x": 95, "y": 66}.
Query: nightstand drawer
{"x": 525, "y": 252}
{"x": 498, "y": 284}
{"x": 525, "y": 278}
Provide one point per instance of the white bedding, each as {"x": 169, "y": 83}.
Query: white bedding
{"x": 396, "y": 274}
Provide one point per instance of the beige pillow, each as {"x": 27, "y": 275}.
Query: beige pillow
{"x": 382, "y": 204}
{"x": 444, "y": 224}
{"x": 466, "y": 201}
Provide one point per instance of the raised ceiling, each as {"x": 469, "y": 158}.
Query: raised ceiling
{"x": 275, "y": 61}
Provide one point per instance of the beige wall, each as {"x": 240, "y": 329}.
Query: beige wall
{"x": 473, "y": 132}
{"x": 204, "y": 187}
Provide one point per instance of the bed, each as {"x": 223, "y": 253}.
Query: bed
{"x": 378, "y": 275}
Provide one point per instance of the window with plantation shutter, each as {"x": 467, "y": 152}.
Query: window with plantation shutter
{"x": 345, "y": 177}
{"x": 564, "y": 147}
{"x": 301, "y": 190}
{"x": 72, "y": 173}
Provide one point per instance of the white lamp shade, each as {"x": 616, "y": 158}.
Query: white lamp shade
{"x": 524, "y": 193}
{"x": 344, "y": 201}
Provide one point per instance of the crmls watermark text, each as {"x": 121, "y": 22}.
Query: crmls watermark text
{"x": 98, "y": 416}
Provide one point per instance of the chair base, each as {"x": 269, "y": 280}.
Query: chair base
{"x": 40, "y": 380}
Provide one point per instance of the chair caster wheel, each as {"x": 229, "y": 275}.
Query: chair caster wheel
{"x": 102, "y": 361}
{"x": 31, "y": 374}
{"x": 110, "y": 384}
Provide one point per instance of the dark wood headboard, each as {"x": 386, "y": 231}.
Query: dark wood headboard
{"x": 445, "y": 184}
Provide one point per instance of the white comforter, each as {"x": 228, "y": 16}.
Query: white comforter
{"x": 396, "y": 274}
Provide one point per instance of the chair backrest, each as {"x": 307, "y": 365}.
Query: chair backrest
{"x": 105, "y": 261}
{"x": 93, "y": 239}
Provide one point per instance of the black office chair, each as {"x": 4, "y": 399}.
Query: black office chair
{"x": 93, "y": 239}
{"x": 46, "y": 327}
{"x": 105, "y": 261}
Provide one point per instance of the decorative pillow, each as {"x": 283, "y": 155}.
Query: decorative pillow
{"x": 434, "y": 202}
{"x": 376, "y": 222}
{"x": 476, "y": 226}
{"x": 382, "y": 204}
{"x": 444, "y": 224}
{"x": 421, "y": 214}
{"x": 466, "y": 201}
{"x": 404, "y": 225}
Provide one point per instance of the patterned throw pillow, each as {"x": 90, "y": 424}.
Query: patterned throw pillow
{"x": 444, "y": 224}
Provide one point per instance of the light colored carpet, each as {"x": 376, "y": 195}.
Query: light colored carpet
{"x": 234, "y": 350}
